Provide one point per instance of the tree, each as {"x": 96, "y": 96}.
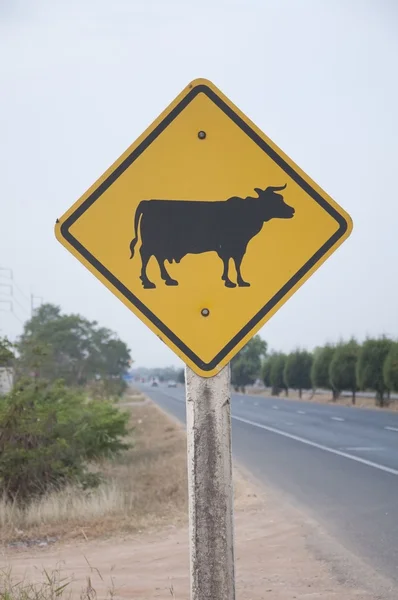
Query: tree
{"x": 390, "y": 368}
{"x": 246, "y": 365}
{"x": 277, "y": 374}
{"x": 57, "y": 346}
{"x": 372, "y": 356}
{"x": 343, "y": 367}
{"x": 297, "y": 373}
{"x": 49, "y": 434}
{"x": 6, "y": 352}
{"x": 266, "y": 370}
{"x": 320, "y": 377}
{"x": 181, "y": 376}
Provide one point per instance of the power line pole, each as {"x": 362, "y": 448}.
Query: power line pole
{"x": 8, "y": 289}
{"x": 33, "y": 298}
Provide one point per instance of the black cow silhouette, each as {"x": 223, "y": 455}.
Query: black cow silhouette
{"x": 170, "y": 229}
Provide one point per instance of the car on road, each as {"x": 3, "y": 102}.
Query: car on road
{"x": 154, "y": 383}
{"x": 171, "y": 383}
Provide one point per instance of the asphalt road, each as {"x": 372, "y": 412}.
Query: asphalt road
{"x": 338, "y": 463}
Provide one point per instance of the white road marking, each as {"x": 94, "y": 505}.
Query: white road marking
{"x": 301, "y": 412}
{"x": 319, "y": 446}
{"x": 337, "y": 419}
{"x": 275, "y": 407}
{"x": 391, "y": 428}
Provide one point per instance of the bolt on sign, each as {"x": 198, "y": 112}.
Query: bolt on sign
{"x": 203, "y": 228}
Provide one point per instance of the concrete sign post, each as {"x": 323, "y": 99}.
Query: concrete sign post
{"x": 210, "y": 486}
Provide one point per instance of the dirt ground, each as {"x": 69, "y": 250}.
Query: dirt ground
{"x": 280, "y": 555}
{"x": 273, "y": 560}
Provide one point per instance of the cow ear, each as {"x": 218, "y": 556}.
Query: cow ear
{"x": 258, "y": 190}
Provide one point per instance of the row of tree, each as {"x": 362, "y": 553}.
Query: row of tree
{"x": 348, "y": 366}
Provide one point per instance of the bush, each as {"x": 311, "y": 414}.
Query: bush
{"x": 48, "y": 435}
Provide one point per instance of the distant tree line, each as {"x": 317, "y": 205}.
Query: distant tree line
{"x": 344, "y": 367}
{"x": 160, "y": 373}
{"x": 347, "y": 366}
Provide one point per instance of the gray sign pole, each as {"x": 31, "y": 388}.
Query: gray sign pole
{"x": 210, "y": 486}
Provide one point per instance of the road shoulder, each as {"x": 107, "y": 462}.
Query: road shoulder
{"x": 280, "y": 554}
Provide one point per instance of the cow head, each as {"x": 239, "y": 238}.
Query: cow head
{"x": 273, "y": 205}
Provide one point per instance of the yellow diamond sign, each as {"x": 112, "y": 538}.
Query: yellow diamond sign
{"x": 203, "y": 228}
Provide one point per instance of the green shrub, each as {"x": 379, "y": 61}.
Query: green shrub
{"x": 48, "y": 435}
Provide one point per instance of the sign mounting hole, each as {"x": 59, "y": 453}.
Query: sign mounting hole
{"x": 205, "y": 312}
{"x": 201, "y": 135}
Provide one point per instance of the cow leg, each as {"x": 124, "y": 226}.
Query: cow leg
{"x": 224, "y": 276}
{"x": 145, "y": 256}
{"x": 238, "y": 262}
{"x": 164, "y": 274}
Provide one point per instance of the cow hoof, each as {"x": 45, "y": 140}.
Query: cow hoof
{"x": 230, "y": 284}
{"x": 148, "y": 285}
{"x": 171, "y": 282}
{"x": 244, "y": 284}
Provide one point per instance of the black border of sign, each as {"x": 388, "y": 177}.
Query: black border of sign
{"x": 203, "y": 89}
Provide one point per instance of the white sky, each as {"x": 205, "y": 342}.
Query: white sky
{"x": 81, "y": 79}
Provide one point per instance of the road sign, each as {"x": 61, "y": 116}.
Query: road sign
{"x": 128, "y": 377}
{"x": 203, "y": 228}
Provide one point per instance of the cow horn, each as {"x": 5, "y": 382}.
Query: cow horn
{"x": 258, "y": 191}
{"x": 275, "y": 189}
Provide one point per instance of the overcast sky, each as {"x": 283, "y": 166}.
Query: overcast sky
{"x": 81, "y": 79}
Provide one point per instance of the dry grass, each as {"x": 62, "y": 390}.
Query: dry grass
{"x": 144, "y": 487}
{"x": 51, "y": 586}
{"x": 132, "y": 395}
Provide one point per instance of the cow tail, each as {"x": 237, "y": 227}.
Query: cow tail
{"x": 138, "y": 214}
